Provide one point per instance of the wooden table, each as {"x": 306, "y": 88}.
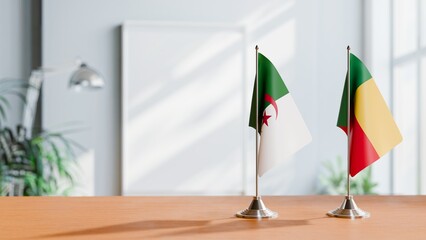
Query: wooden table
{"x": 392, "y": 217}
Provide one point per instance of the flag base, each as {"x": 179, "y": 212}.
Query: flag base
{"x": 348, "y": 209}
{"x": 257, "y": 209}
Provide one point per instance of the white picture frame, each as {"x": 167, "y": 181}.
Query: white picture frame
{"x": 203, "y": 67}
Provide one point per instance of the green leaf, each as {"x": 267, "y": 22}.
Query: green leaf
{"x": 4, "y": 101}
{"x": 333, "y": 180}
{"x": 46, "y": 160}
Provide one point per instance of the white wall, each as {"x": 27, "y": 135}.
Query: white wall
{"x": 15, "y": 47}
{"x": 306, "y": 40}
{"x": 394, "y": 57}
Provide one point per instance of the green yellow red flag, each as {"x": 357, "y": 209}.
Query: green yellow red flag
{"x": 373, "y": 132}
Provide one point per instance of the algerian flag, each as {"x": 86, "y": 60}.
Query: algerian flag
{"x": 281, "y": 127}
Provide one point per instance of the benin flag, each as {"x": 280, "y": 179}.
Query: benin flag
{"x": 373, "y": 130}
{"x": 281, "y": 127}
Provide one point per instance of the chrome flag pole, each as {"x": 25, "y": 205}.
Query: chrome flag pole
{"x": 257, "y": 208}
{"x": 348, "y": 209}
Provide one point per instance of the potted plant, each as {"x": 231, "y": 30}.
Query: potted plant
{"x": 333, "y": 181}
{"x": 32, "y": 166}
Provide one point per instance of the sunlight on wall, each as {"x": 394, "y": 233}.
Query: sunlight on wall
{"x": 266, "y": 13}
{"x": 202, "y": 54}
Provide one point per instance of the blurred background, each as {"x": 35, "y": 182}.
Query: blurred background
{"x": 172, "y": 115}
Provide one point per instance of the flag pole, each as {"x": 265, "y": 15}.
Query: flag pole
{"x": 257, "y": 208}
{"x": 348, "y": 209}
{"x": 257, "y": 122}
{"x": 348, "y": 182}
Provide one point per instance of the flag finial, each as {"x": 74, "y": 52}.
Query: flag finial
{"x": 348, "y": 48}
{"x": 257, "y": 47}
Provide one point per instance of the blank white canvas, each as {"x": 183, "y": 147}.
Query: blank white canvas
{"x": 183, "y": 114}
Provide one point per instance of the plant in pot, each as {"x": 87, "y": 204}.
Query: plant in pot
{"x": 32, "y": 165}
{"x": 333, "y": 180}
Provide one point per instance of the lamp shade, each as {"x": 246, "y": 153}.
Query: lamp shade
{"x": 86, "y": 78}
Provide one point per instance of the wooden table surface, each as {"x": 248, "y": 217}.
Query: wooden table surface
{"x": 300, "y": 217}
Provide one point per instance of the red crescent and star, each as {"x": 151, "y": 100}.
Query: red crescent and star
{"x": 270, "y": 100}
{"x": 265, "y": 118}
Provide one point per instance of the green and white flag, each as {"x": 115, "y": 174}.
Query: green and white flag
{"x": 281, "y": 127}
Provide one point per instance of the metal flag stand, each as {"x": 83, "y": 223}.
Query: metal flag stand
{"x": 348, "y": 209}
{"x": 257, "y": 208}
